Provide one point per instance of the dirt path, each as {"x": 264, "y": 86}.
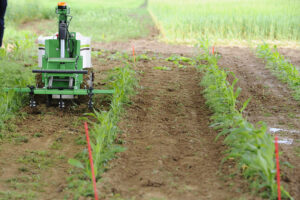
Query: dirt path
{"x": 271, "y": 102}
{"x": 171, "y": 153}
{"x": 34, "y": 155}
{"x": 291, "y": 54}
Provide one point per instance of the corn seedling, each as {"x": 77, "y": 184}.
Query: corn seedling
{"x": 105, "y": 130}
{"x": 250, "y": 146}
{"x": 162, "y": 68}
{"x": 181, "y": 61}
{"x": 281, "y": 68}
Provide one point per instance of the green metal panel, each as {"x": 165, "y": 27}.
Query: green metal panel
{"x": 60, "y": 60}
{"x": 58, "y": 92}
{"x": 52, "y": 61}
{"x": 72, "y": 60}
{"x": 63, "y": 13}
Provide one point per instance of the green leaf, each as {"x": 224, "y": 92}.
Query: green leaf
{"x": 245, "y": 105}
{"x": 75, "y": 163}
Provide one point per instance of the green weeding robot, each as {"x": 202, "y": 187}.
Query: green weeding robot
{"x": 62, "y": 74}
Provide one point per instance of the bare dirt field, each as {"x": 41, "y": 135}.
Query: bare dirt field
{"x": 171, "y": 152}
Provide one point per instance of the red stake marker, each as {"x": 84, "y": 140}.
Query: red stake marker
{"x": 91, "y": 159}
{"x": 213, "y": 51}
{"x": 277, "y": 167}
{"x": 133, "y": 53}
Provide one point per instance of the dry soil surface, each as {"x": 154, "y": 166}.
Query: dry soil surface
{"x": 171, "y": 150}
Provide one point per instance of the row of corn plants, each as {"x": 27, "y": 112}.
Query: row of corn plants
{"x": 280, "y": 67}
{"x": 104, "y": 132}
{"x": 250, "y": 146}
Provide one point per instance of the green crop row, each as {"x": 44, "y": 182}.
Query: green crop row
{"x": 281, "y": 68}
{"x": 250, "y": 146}
{"x": 187, "y": 21}
{"x": 104, "y": 131}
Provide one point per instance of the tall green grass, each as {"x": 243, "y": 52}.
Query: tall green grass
{"x": 17, "y": 56}
{"x": 13, "y": 73}
{"x": 104, "y": 132}
{"x": 16, "y": 61}
{"x": 102, "y": 20}
{"x": 109, "y": 20}
{"x": 189, "y": 20}
{"x": 281, "y": 68}
{"x": 250, "y": 146}
{"x": 111, "y": 24}
{"x": 19, "y": 11}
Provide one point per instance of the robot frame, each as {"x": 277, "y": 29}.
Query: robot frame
{"x": 65, "y": 71}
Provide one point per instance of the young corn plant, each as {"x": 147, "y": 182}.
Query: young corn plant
{"x": 104, "y": 129}
{"x": 181, "y": 61}
{"x": 281, "y": 68}
{"x": 250, "y": 146}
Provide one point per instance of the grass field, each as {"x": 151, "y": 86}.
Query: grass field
{"x": 188, "y": 21}
{"x": 102, "y": 20}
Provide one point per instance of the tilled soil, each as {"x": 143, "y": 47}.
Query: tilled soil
{"x": 34, "y": 156}
{"x": 171, "y": 150}
{"x": 293, "y": 55}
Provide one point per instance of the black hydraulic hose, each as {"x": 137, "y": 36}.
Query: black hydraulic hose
{"x": 76, "y": 62}
{"x": 71, "y": 51}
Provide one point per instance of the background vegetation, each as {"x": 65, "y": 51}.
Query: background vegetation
{"x": 189, "y": 20}
{"x": 102, "y": 20}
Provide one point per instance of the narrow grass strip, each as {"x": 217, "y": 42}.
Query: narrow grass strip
{"x": 280, "y": 67}
{"x": 104, "y": 132}
{"x": 250, "y": 146}
{"x": 13, "y": 75}
{"x": 157, "y": 24}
